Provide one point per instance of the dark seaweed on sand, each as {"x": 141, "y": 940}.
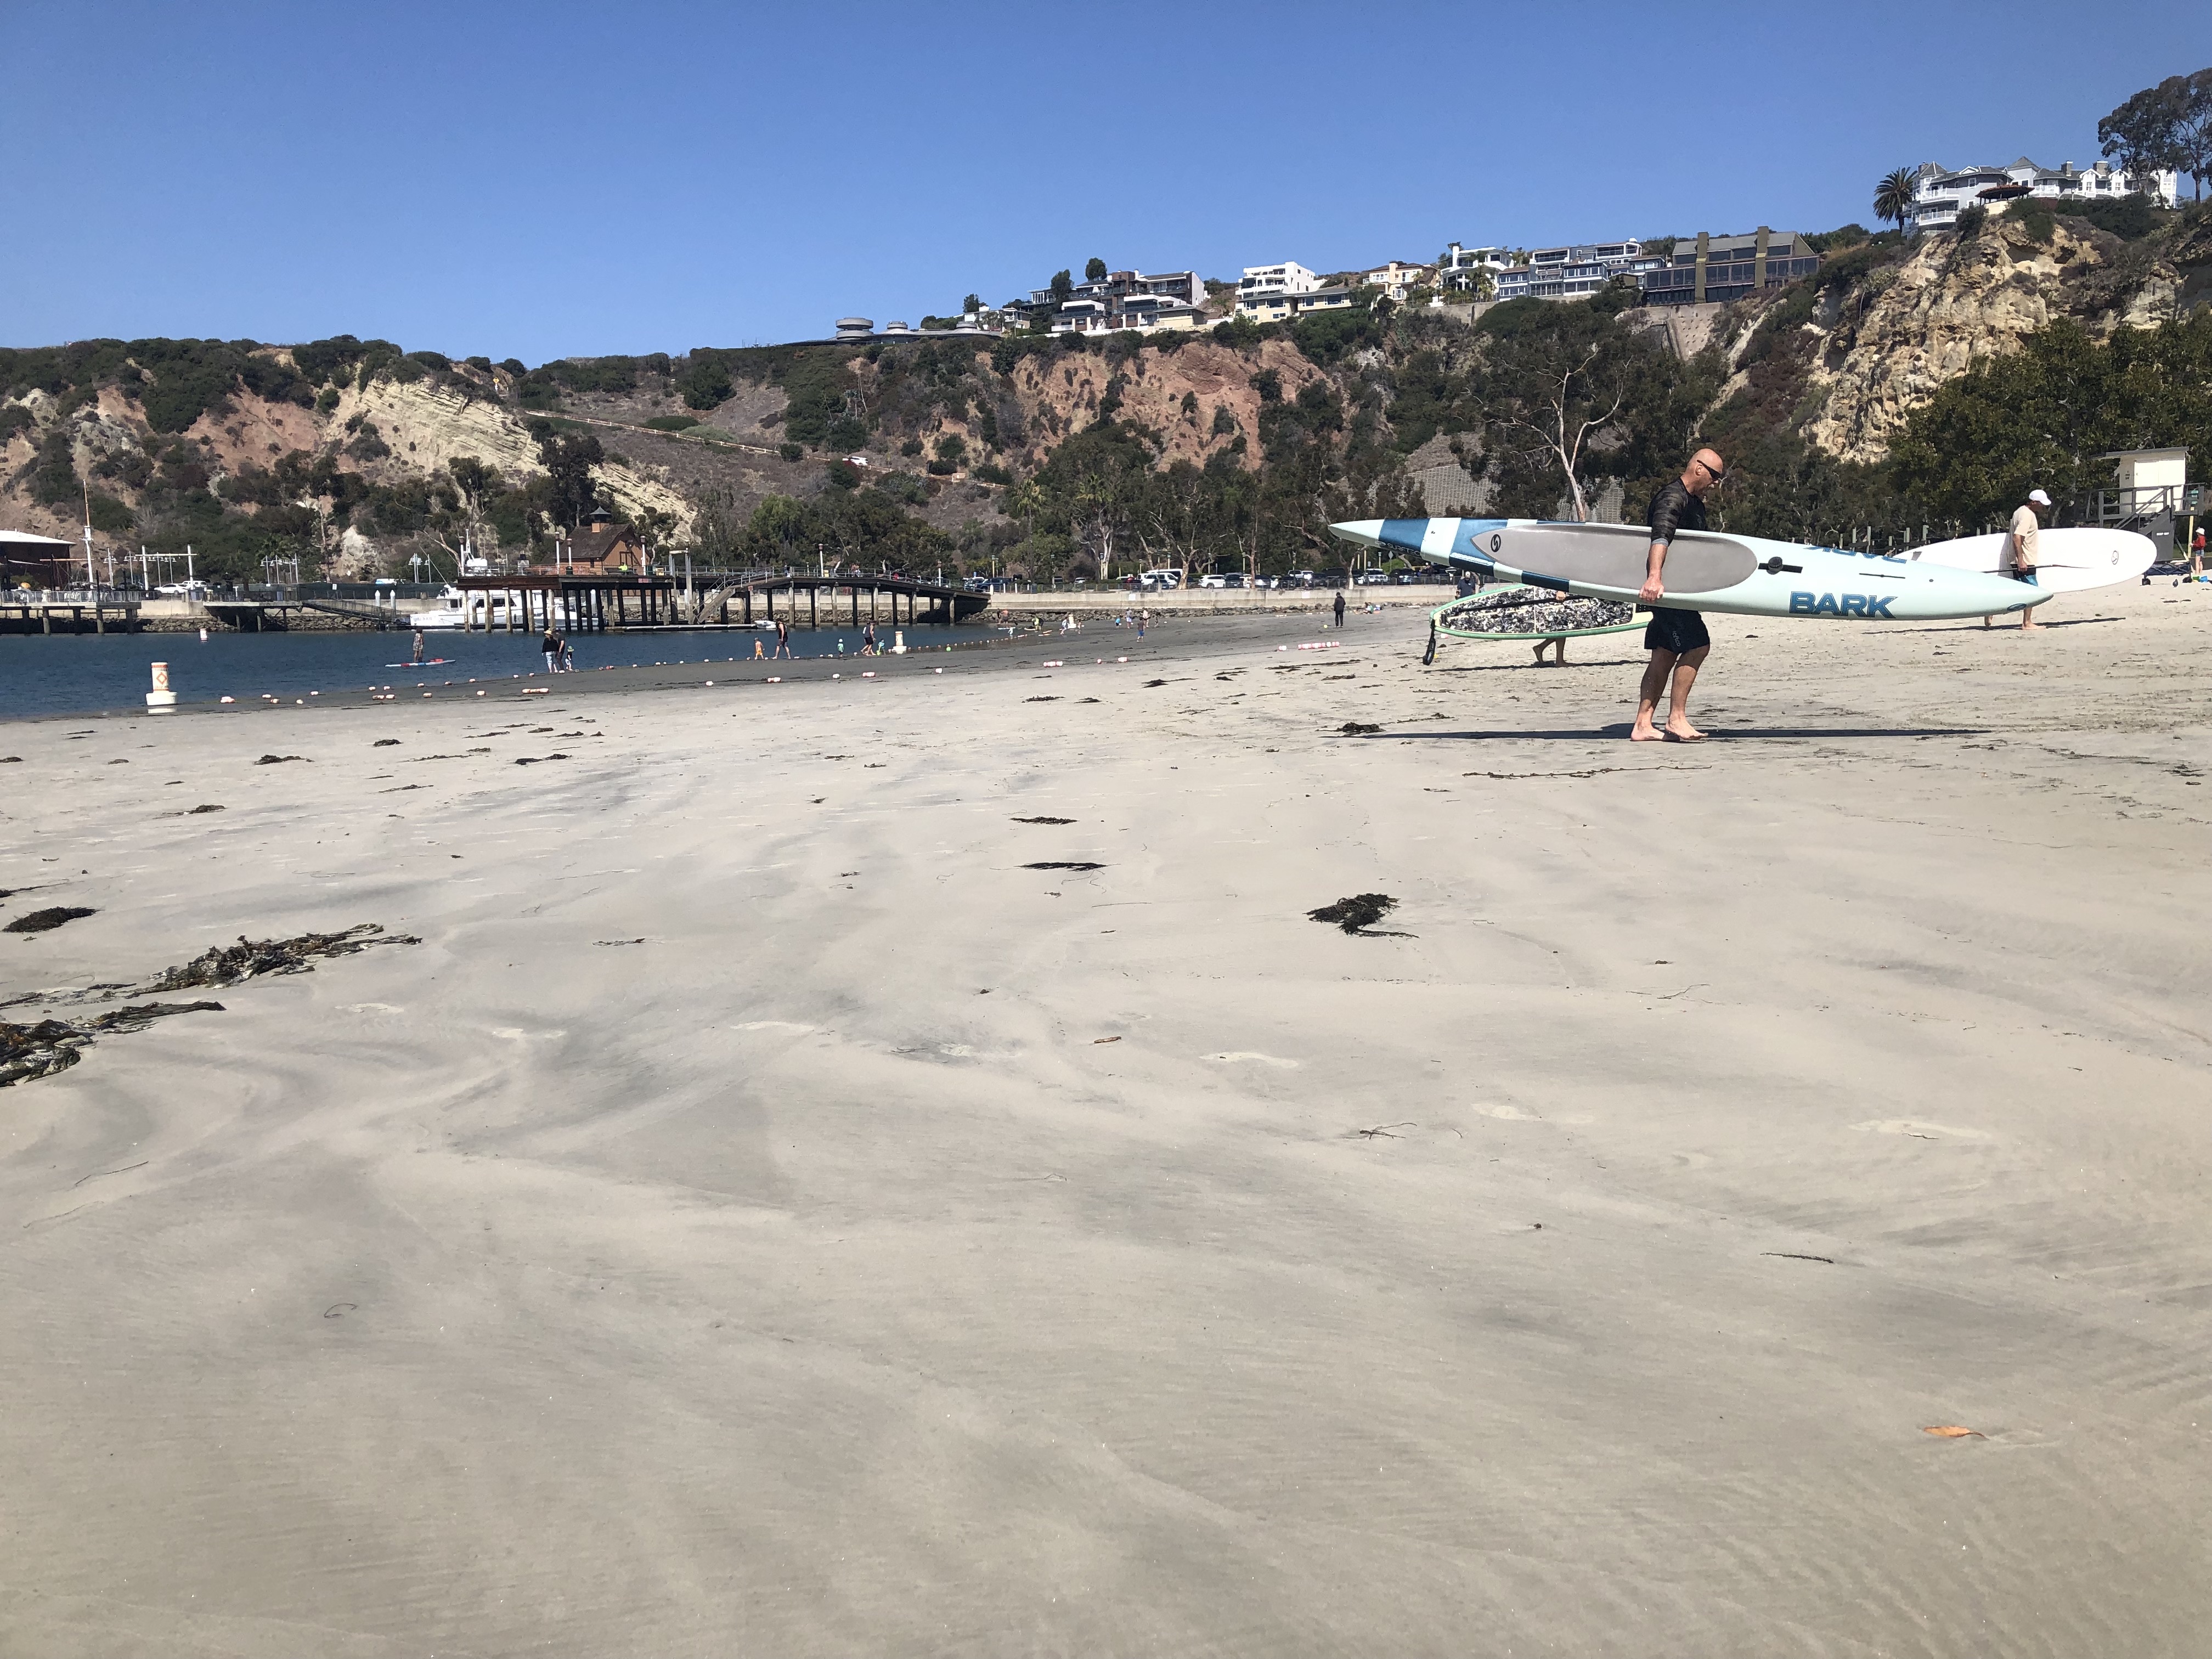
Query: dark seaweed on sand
{"x": 1359, "y": 913}
{"x": 229, "y": 965}
{"x": 44, "y": 921}
{"x": 1355, "y": 729}
{"x": 1064, "y": 864}
{"x": 30, "y": 1051}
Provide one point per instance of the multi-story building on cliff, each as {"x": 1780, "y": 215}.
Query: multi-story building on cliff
{"x": 1119, "y": 300}
{"x": 1710, "y": 269}
{"x": 1940, "y": 193}
{"x": 1464, "y": 268}
{"x": 1288, "y": 307}
{"x": 1266, "y": 281}
{"x": 1397, "y": 279}
{"x": 1574, "y": 271}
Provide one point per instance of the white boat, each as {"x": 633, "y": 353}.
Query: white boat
{"x": 460, "y": 610}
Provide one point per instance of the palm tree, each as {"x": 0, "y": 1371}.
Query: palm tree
{"x": 1893, "y": 195}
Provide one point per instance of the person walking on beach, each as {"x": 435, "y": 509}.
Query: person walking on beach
{"x": 553, "y": 645}
{"x": 1676, "y": 638}
{"x": 2020, "y": 554}
{"x": 1142, "y": 617}
{"x": 2197, "y": 552}
{"x": 1339, "y": 607}
{"x": 868, "y": 641}
{"x": 783, "y": 637}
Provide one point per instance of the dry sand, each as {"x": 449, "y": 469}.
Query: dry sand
{"x": 764, "y": 1216}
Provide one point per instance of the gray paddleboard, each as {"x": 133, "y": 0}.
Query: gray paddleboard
{"x": 1614, "y": 555}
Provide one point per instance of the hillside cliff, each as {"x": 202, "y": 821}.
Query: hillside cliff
{"x": 1035, "y": 454}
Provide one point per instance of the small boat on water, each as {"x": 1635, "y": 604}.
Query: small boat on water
{"x": 458, "y": 610}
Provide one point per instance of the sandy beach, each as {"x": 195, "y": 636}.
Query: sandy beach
{"x": 785, "y": 1204}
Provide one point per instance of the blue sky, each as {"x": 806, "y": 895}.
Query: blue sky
{"x": 553, "y": 180}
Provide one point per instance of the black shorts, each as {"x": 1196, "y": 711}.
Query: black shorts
{"x": 1678, "y": 631}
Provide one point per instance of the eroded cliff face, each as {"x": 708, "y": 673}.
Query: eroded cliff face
{"x": 1887, "y": 344}
{"x": 418, "y": 427}
{"x": 1175, "y": 394}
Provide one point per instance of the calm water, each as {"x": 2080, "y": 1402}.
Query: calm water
{"x": 75, "y": 674}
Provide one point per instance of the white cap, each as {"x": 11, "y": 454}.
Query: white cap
{"x": 2039, "y": 498}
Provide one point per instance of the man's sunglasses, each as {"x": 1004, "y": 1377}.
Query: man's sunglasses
{"x": 1711, "y": 472}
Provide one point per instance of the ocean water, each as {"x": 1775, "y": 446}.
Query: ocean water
{"x": 46, "y": 675}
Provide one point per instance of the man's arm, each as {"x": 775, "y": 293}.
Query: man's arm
{"x": 1665, "y": 512}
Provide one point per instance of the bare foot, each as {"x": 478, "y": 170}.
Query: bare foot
{"x": 1684, "y": 732}
{"x": 2031, "y": 628}
{"x": 1643, "y": 734}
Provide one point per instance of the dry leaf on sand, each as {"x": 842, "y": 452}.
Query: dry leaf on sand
{"x": 1953, "y": 1432}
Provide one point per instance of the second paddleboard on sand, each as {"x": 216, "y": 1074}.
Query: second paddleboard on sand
{"x": 2066, "y": 561}
{"x": 1704, "y": 570}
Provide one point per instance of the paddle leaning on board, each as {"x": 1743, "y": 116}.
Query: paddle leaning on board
{"x": 1753, "y": 576}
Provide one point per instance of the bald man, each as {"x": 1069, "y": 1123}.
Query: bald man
{"x": 1676, "y": 638}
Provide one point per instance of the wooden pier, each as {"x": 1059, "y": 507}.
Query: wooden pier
{"x": 588, "y": 605}
{"x": 923, "y": 602}
{"x": 26, "y": 611}
{"x": 572, "y": 605}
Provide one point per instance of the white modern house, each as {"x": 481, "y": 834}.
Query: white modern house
{"x": 1464, "y": 267}
{"x": 1120, "y": 299}
{"x": 1263, "y": 281}
{"x": 1939, "y": 193}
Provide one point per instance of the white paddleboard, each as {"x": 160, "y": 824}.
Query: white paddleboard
{"x": 2067, "y": 561}
{"x": 1704, "y": 570}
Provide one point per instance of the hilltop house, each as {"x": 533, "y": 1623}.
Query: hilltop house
{"x": 1288, "y": 307}
{"x": 1463, "y": 268}
{"x": 1267, "y": 281}
{"x": 1938, "y": 192}
{"x": 1119, "y": 300}
{"x": 1715, "y": 269}
{"x": 1396, "y": 278}
{"x": 1573, "y": 272}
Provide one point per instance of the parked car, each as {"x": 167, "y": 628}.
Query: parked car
{"x": 1163, "y": 578}
{"x": 1213, "y": 578}
{"x": 1374, "y": 579}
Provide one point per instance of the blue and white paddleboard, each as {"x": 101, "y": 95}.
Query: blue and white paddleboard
{"x": 1705, "y": 569}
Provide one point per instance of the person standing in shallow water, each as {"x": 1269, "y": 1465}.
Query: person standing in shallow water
{"x": 1676, "y": 638}
{"x": 553, "y": 645}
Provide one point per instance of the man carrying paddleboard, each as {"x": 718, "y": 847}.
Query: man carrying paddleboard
{"x": 2021, "y": 550}
{"x": 1676, "y": 638}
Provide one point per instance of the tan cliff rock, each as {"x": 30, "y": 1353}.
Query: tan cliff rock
{"x": 1887, "y": 346}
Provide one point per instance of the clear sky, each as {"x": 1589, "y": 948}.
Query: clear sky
{"x": 551, "y": 179}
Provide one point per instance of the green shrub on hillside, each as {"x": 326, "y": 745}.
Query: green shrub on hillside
{"x": 1326, "y": 338}
{"x": 2034, "y": 217}
{"x": 705, "y": 382}
{"x": 670, "y": 423}
{"x": 2131, "y": 217}
{"x": 2051, "y": 413}
{"x": 54, "y": 473}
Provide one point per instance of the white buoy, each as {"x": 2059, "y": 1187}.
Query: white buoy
{"x": 898, "y": 643}
{"x": 161, "y": 700}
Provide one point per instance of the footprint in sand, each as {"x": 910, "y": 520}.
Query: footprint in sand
{"x": 1515, "y": 1114}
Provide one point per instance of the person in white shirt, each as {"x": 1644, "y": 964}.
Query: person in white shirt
{"x": 2020, "y": 549}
